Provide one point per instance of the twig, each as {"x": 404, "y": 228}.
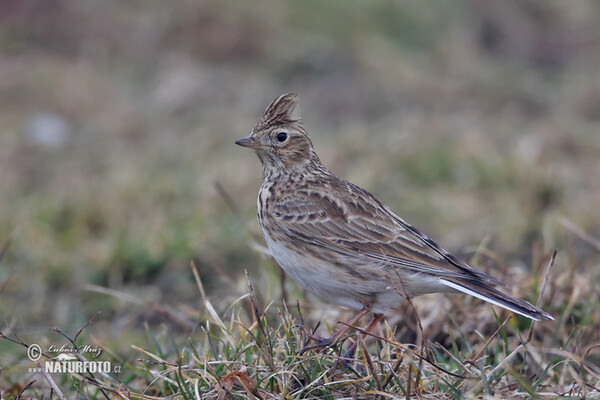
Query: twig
{"x": 542, "y": 290}
{"x": 452, "y": 356}
{"x": 112, "y": 292}
{"x": 282, "y": 279}
{"x": 52, "y": 383}
{"x": 236, "y": 212}
{"x": 395, "y": 344}
{"x": 309, "y": 335}
{"x": 198, "y": 281}
{"x": 370, "y": 364}
{"x": 505, "y": 361}
{"x": 235, "y": 209}
{"x": 484, "y": 381}
{"x": 77, "y": 334}
{"x": 47, "y": 376}
{"x": 530, "y": 335}
{"x": 174, "y": 315}
{"x": 86, "y": 325}
{"x": 81, "y": 357}
{"x": 420, "y": 366}
{"x": 393, "y": 371}
{"x": 261, "y": 330}
{"x": 20, "y": 394}
{"x": 407, "y": 297}
{"x": 18, "y": 341}
{"x": 409, "y": 381}
{"x": 224, "y": 275}
{"x": 475, "y": 357}
{"x": 546, "y": 277}
{"x": 580, "y": 233}
{"x": 228, "y": 199}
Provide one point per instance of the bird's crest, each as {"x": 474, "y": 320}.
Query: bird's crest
{"x": 282, "y": 111}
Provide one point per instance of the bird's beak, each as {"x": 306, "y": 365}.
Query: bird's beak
{"x": 249, "y": 141}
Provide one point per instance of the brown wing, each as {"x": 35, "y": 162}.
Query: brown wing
{"x": 342, "y": 217}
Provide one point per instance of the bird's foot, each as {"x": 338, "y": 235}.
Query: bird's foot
{"x": 320, "y": 343}
{"x": 348, "y": 363}
{"x": 347, "y": 360}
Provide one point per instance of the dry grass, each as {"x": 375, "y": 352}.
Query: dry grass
{"x": 251, "y": 350}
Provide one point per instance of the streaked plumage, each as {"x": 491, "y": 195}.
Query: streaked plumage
{"x": 339, "y": 241}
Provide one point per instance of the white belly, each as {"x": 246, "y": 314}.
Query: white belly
{"x": 341, "y": 287}
{"x": 312, "y": 275}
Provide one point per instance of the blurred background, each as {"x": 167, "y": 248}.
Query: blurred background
{"x": 478, "y": 122}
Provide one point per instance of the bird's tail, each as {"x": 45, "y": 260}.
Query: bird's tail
{"x": 491, "y": 295}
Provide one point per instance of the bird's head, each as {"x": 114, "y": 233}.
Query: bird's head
{"x": 279, "y": 138}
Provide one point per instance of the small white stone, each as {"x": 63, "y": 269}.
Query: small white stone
{"x": 48, "y": 130}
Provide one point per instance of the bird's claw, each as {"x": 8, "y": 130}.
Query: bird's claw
{"x": 359, "y": 371}
{"x": 320, "y": 343}
{"x": 347, "y": 360}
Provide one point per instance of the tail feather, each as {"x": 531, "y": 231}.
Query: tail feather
{"x": 494, "y": 296}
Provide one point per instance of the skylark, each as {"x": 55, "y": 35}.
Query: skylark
{"x": 339, "y": 241}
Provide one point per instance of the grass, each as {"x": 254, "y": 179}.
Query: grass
{"x": 252, "y": 350}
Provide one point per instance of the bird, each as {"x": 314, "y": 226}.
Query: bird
{"x": 340, "y": 242}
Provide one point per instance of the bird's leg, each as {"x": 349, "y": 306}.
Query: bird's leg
{"x": 326, "y": 342}
{"x": 376, "y": 318}
{"x": 348, "y": 357}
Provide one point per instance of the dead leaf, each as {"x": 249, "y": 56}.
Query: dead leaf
{"x": 239, "y": 379}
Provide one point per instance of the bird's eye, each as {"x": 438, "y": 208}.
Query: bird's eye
{"x": 281, "y": 137}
